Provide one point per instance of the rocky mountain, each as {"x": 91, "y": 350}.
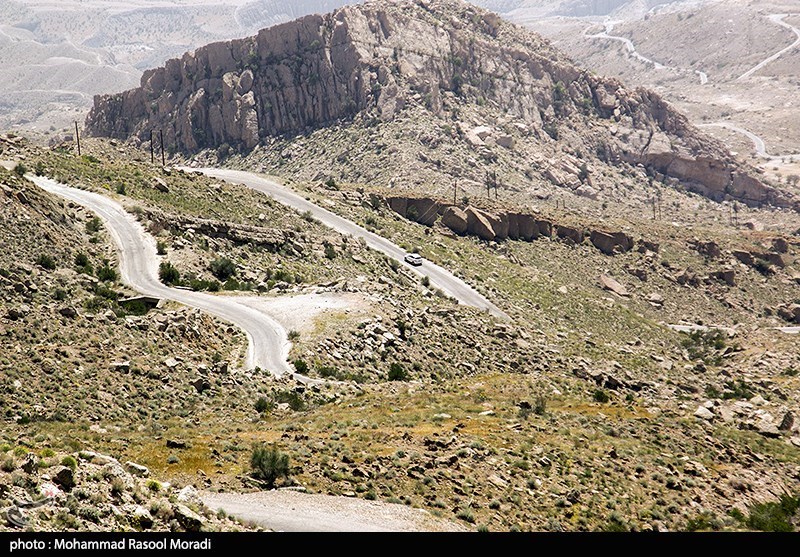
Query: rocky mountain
{"x": 376, "y": 58}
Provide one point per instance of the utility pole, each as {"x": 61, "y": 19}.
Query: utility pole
{"x": 152, "y": 154}
{"x": 78, "y": 138}
{"x": 161, "y": 136}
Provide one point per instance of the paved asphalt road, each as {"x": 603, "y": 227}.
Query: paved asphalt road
{"x": 439, "y": 277}
{"x": 268, "y": 343}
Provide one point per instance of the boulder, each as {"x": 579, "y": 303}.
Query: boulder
{"x": 728, "y": 276}
{"x": 160, "y": 184}
{"x": 545, "y": 228}
{"x": 611, "y": 242}
{"x": 137, "y": 469}
{"x": 569, "y": 234}
{"x": 65, "y": 477}
{"x": 187, "y": 518}
{"x": 479, "y": 224}
{"x": 612, "y": 285}
{"x": 141, "y": 518}
{"x": 780, "y": 245}
{"x": 423, "y": 210}
{"x": 506, "y": 141}
{"x": 744, "y": 256}
{"x": 704, "y": 413}
{"x": 789, "y": 312}
{"x": 709, "y": 249}
{"x": 69, "y": 312}
{"x": 787, "y": 422}
{"x": 455, "y": 219}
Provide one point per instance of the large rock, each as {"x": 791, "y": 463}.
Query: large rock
{"x": 456, "y": 220}
{"x": 614, "y": 286}
{"x": 569, "y": 234}
{"x": 611, "y": 242}
{"x": 480, "y": 224}
{"x": 65, "y": 477}
{"x": 187, "y": 518}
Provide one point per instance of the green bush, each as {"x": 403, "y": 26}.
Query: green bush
{"x": 81, "y": 259}
{"x": 46, "y": 262}
{"x": 269, "y": 463}
{"x": 222, "y": 268}
{"x": 161, "y": 247}
{"x": 300, "y": 366}
{"x": 106, "y": 273}
{"x": 69, "y": 462}
{"x": 263, "y": 405}
{"x": 601, "y": 396}
{"x": 330, "y": 251}
{"x": 168, "y": 273}
{"x": 20, "y": 170}
{"x": 397, "y": 373}
{"x": 774, "y": 516}
{"x": 93, "y": 225}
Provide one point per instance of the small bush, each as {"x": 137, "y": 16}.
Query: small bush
{"x": 301, "y": 366}
{"x": 20, "y": 170}
{"x": 69, "y": 462}
{"x": 540, "y": 405}
{"x": 81, "y": 260}
{"x": 268, "y": 464}
{"x": 222, "y": 268}
{"x": 397, "y": 373}
{"x": 121, "y": 189}
{"x": 46, "y": 262}
{"x": 263, "y": 405}
{"x": 117, "y": 486}
{"x": 293, "y": 335}
{"x": 168, "y": 273}
{"x": 93, "y": 226}
{"x": 601, "y": 396}
{"x": 330, "y": 251}
{"x": 466, "y": 515}
{"x": 106, "y": 273}
{"x": 161, "y": 247}
{"x": 8, "y": 465}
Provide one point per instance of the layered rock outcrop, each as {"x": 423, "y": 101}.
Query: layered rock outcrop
{"x": 372, "y": 58}
{"x": 472, "y": 221}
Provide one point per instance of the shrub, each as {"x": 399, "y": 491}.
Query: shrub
{"x": 300, "y": 366}
{"x": 263, "y": 405}
{"x": 93, "y": 225}
{"x": 168, "y": 273}
{"x": 426, "y": 281}
{"x": 161, "y": 247}
{"x": 8, "y": 465}
{"x": 466, "y": 515}
{"x": 540, "y": 405}
{"x": 330, "y": 251}
{"x": 269, "y": 463}
{"x": 397, "y": 373}
{"x": 20, "y": 170}
{"x": 81, "y": 260}
{"x": 106, "y": 273}
{"x": 774, "y": 516}
{"x": 69, "y": 462}
{"x": 293, "y": 335}
{"x": 121, "y": 188}
{"x": 46, "y": 262}
{"x": 601, "y": 396}
{"x": 222, "y": 268}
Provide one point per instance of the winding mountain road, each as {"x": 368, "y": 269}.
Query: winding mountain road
{"x": 775, "y": 18}
{"x": 439, "y": 277}
{"x": 758, "y": 143}
{"x": 631, "y": 48}
{"x": 268, "y": 343}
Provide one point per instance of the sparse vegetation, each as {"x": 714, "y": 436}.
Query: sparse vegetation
{"x": 269, "y": 464}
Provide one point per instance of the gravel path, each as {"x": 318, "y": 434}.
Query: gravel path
{"x": 290, "y": 511}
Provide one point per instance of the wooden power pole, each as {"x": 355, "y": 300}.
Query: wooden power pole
{"x": 78, "y": 138}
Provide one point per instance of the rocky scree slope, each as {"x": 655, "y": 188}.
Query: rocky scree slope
{"x": 374, "y": 59}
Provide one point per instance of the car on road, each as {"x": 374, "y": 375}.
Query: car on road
{"x": 413, "y": 259}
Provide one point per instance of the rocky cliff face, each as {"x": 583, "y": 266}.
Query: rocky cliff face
{"x": 374, "y": 58}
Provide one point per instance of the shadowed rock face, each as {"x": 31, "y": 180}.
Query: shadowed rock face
{"x": 372, "y": 58}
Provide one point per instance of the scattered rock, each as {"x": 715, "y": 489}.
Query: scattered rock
{"x": 187, "y": 518}
{"x": 137, "y": 469}
{"x": 65, "y": 477}
{"x": 704, "y": 413}
{"x": 609, "y": 283}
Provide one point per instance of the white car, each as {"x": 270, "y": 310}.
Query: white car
{"x": 413, "y": 259}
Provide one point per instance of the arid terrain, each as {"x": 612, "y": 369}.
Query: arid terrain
{"x": 639, "y": 370}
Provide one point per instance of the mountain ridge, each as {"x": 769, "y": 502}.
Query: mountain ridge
{"x": 377, "y": 58}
